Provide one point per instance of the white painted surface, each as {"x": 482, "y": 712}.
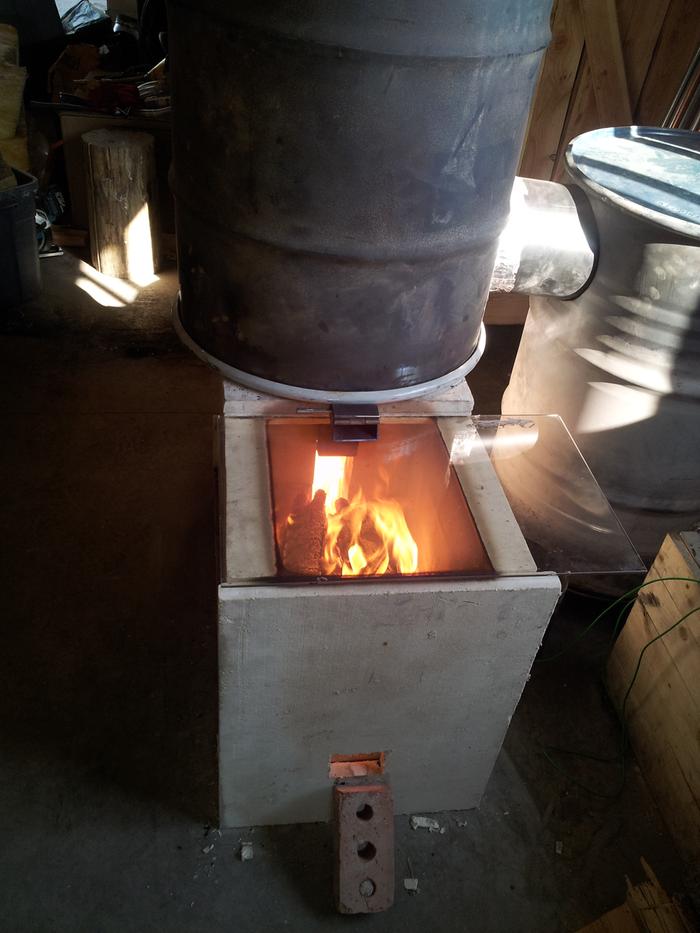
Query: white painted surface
{"x": 242, "y": 402}
{"x": 499, "y": 530}
{"x": 428, "y": 672}
{"x": 244, "y": 489}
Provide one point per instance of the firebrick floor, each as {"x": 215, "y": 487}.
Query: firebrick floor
{"x": 108, "y": 676}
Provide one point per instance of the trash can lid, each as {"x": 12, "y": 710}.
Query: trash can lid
{"x": 651, "y": 172}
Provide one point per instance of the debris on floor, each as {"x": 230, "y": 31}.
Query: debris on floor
{"x": 411, "y": 885}
{"x": 426, "y": 822}
{"x": 246, "y": 851}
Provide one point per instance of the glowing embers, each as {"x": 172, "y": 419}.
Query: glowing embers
{"x": 392, "y": 506}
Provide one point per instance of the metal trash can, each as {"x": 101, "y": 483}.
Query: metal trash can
{"x": 20, "y": 278}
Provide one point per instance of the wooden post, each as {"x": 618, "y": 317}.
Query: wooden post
{"x": 120, "y": 168}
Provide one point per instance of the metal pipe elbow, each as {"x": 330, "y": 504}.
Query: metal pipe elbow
{"x": 549, "y": 244}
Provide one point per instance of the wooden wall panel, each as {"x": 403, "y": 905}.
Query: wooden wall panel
{"x": 601, "y": 30}
{"x": 551, "y": 103}
{"x": 677, "y": 42}
{"x": 640, "y": 26}
{"x": 610, "y": 62}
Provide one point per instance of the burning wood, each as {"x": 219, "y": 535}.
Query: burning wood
{"x": 337, "y": 536}
{"x": 304, "y": 537}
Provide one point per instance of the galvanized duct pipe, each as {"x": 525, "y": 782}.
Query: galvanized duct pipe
{"x": 548, "y": 244}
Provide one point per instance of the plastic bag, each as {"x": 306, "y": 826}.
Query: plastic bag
{"x": 80, "y": 15}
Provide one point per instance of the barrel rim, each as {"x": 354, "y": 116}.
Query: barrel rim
{"x": 689, "y": 228}
{"x": 330, "y": 396}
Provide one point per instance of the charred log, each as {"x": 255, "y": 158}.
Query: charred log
{"x": 304, "y": 537}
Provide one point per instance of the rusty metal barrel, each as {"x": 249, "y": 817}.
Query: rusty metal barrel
{"x": 342, "y": 172}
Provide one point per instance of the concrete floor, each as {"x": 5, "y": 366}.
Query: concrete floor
{"x": 108, "y": 665}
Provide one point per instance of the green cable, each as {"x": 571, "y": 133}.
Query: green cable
{"x": 626, "y": 598}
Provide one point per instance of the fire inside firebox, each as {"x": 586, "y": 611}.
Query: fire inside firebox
{"x": 393, "y": 506}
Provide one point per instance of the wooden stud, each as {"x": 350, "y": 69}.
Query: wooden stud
{"x": 507, "y": 307}
{"x": 582, "y": 115}
{"x": 677, "y": 43}
{"x": 605, "y": 60}
{"x": 639, "y": 31}
{"x": 550, "y": 106}
{"x": 640, "y": 25}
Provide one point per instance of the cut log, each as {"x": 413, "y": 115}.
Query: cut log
{"x": 304, "y": 538}
{"x": 121, "y": 179}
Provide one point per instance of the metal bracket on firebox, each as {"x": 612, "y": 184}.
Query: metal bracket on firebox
{"x": 355, "y": 422}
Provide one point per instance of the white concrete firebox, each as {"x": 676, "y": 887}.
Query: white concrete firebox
{"x": 424, "y": 672}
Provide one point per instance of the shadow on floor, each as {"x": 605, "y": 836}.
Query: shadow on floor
{"x": 108, "y": 529}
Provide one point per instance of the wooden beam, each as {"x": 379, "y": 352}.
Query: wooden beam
{"x": 581, "y": 116}
{"x": 507, "y": 308}
{"x": 679, "y": 38}
{"x": 640, "y": 26}
{"x": 606, "y": 62}
{"x": 549, "y": 108}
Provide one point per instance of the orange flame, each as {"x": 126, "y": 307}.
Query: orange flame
{"x": 364, "y": 536}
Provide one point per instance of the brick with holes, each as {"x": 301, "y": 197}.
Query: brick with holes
{"x": 364, "y": 848}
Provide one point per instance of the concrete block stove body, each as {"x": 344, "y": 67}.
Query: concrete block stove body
{"x": 417, "y": 675}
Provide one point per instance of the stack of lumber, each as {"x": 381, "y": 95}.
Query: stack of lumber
{"x": 647, "y": 909}
{"x": 662, "y": 711}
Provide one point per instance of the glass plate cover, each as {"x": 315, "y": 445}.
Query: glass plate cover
{"x": 460, "y": 496}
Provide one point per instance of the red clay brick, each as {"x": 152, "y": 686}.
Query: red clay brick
{"x": 364, "y": 848}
